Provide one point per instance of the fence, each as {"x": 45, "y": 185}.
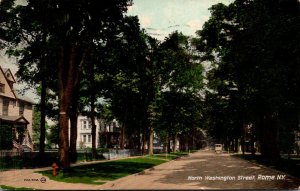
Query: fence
{"x": 110, "y": 154}
{"x": 5, "y": 153}
{"x": 118, "y": 153}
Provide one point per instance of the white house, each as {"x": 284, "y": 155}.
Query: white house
{"x": 104, "y": 130}
{"x": 84, "y": 132}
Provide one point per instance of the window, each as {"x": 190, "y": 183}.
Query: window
{"x": 5, "y": 107}
{"x": 2, "y": 88}
{"x": 28, "y": 106}
{"x": 83, "y": 124}
{"x": 89, "y": 138}
{"x": 84, "y": 138}
{"x": 21, "y": 108}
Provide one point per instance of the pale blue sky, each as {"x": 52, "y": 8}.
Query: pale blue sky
{"x": 161, "y": 17}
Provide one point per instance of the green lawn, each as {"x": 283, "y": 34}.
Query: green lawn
{"x": 111, "y": 170}
{"x": 289, "y": 166}
{"x": 3, "y": 187}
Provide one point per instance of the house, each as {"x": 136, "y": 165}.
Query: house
{"x": 16, "y": 111}
{"x": 107, "y": 133}
{"x": 84, "y": 132}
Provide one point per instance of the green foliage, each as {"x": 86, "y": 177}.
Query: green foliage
{"x": 36, "y": 126}
{"x": 177, "y": 108}
{"x": 53, "y": 136}
{"x": 6, "y": 137}
{"x": 15, "y": 188}
{"x": 251, "y": 46}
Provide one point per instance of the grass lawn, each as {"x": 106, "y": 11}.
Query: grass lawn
{"x": 3, "y": 187}
{"x": 289, "y": 166}
{"x": 111, "y": 170}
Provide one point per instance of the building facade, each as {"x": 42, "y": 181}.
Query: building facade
{"x": 107, "y": 133}
{"x": 16, "y": 112}
{"x": 84, "y": 132}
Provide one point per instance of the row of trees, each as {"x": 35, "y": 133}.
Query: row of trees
{"x": 254, "y": 49}
{"x": 77, "y": 52}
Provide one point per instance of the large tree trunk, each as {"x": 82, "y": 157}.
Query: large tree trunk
{"x": 269, "y": 149}
{"x": 252, "y": 143}
{"x": 43, "y": 118}
{"x": 63, "y": 132}
{"x": 73, "y": 123}
{"x": 144, "y": 140}
{"x": 236, "y": 145}
{"x": 43, "y": 105}
{"x": 151, "y": 136}
{"x": 93, "y": 99}
{"x": 68, "y": 77}
{"x": 94, "y": 151}
{"x": 174, "y": 143}
{"x": 73, "y": 136}
{"x": 168, "y": 144}
{"x": 122, "y": 141}
{"x": 123, "y": 130}
{"x": 139, "y": 138}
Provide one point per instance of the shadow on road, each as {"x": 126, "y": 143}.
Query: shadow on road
{"x": 209, "y": 170}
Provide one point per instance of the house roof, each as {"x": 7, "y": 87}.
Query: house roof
{"x": 23, "y": 98}
{"x": 14, "y": 119}
{"x": 7, "y": 70}
{"x": 13, "y": 92}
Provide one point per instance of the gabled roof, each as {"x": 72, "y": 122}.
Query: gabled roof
{"x": 16, "y": 95}
{"x": 3, "y": 73}
{"x": 14, "y": 119}
{"x": 11, "y": 76}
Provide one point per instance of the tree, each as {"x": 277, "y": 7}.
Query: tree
{"x": 36, "y": 126}
{"x": 178, "y": 108}
{"x": 53, "y": 136}
{"x": 80, "y": 24}
{"x": 128, "y": 82}
{"x": 255, "y": 59}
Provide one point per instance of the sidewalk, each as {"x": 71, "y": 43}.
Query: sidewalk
{"x": 200, "y": 170}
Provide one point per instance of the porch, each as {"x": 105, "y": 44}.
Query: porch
{"x": 15, "y": 135}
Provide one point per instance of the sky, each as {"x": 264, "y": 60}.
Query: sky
{"x": 158, "y": 17}
{"x": 161, "y": 17}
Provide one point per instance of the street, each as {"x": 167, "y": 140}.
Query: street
{"x": 207, "y": 170}
{"x": 199, "y": 170}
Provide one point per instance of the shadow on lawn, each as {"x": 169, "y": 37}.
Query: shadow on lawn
{"x": 97, "y": 173}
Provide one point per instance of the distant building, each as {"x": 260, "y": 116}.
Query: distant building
{"x": 107, "y": 133}
{"x": 16, "y": 111}
{"x": 84, "y": 132}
